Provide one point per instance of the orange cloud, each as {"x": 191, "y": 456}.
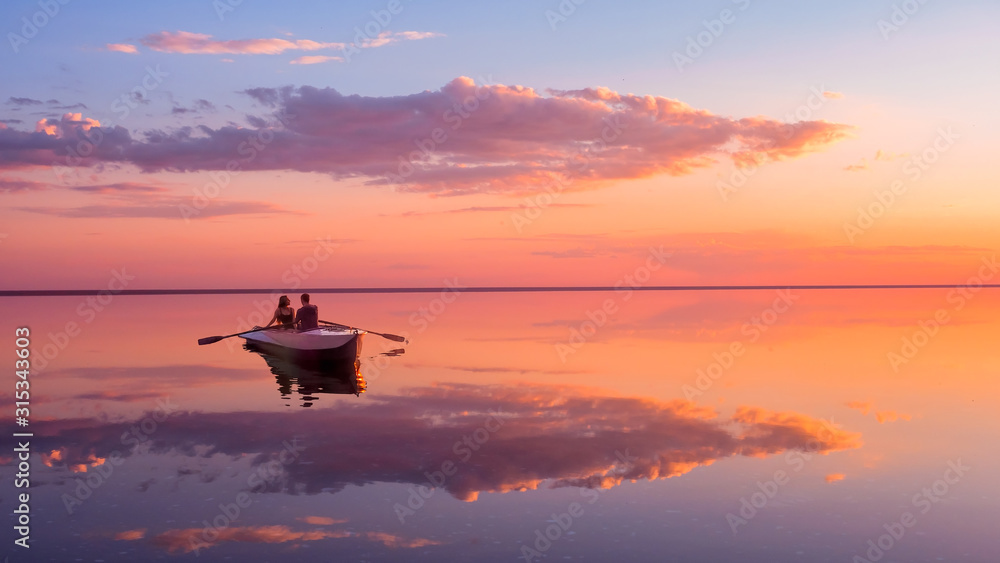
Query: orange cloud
{"x": 833, "y": 95}
{"x": 320, "y": 520}
{"x": 66, "y": 127}
{"x": 91, "y": 461}
{"x": 122, "y": 48}
{"x": 198, "y": 43}
{"x": 834, "y": 477}
{"x": 131, "y": 535}
{"x": 880, "y": 156}
{"x": 49, "y": 458}
{"x": 188, "y": 43}
{"x": 314, "y": 59}
{"x": 187, "y": 540}
{"x": 389, "y": 37}
{"x": 890, "y": 416}
{"x": 864, "y": 407}
{"x": 861, "y": 406}
{"x": 857, "y": 167}
{"x": 888, "y": 156}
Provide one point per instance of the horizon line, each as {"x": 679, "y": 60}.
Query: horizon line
{"x": 474, "y": 289}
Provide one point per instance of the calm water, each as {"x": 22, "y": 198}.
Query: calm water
{"x": 739, "y": 426}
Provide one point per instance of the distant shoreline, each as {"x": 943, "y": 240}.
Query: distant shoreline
{"x": 482, "y": 289}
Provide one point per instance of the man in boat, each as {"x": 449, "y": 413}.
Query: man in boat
{"x": 307, "y": 317}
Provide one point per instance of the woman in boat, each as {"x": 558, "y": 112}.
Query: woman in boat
{"x": 284, "y": 314}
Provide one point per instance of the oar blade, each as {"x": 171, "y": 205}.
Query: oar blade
{"x": 393, "y": 337}
{"x": 209, "y": 340}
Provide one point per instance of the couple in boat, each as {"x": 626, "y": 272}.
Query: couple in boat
{"x": 306, "y": 318}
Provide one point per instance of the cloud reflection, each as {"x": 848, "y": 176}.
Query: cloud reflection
{"x": 186, "y": 540}
{"x": 561, "y": 436}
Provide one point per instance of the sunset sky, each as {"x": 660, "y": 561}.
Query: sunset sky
{"x": 395, "y": 143}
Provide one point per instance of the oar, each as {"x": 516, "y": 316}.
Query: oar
{"x": 214, "y": 339}
{"x": 394, "y": 337}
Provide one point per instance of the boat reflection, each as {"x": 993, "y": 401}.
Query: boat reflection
{"x": 338, "y": 377}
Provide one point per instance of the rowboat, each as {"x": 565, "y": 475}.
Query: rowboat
{"x": 308, "y": 347}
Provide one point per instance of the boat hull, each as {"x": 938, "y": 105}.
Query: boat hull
{"x": 308, "y": 348}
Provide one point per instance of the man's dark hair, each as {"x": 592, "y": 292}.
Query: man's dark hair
{"x": 305, "y": 297}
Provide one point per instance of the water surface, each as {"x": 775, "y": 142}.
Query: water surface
{"x": 683, "y": 426}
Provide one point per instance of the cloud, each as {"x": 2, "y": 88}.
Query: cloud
{"x": 120, "y": 397}
{"x": 68, "y": 126}
{"x": 861, "y": 406}
{"x": 488, "y": 209}
{"x": 389, "y": 37}
{"x": 504, "y": 438}
{"x": 890, "y": 416}
{"x": 135, "y": 200}
{"x": 463, "y": 138}
{"x": 314, "y": 59}
{"x": 163, "y": 209}
{"x": 198, "y": 43}
{"x": 864, "y": 407}
{"x": 23, "y": 101}
{"x": 186, "y": 42}
{"x": 186, "y": 540}
{"x": 861, "y": 166}
{"x": 833, "y": 95}
{"x": 889, "y": 156}
{"x": 131, "y": 535}
{"x": 14, "y": 185}
{"x": 834, "y": 477}
{"x": 122, "y": 48}
{"x": 320, "y": 520}
{"x": 200, "y": 106}
{"x": 880, "y": 156}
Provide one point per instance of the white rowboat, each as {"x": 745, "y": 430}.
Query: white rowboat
{"x": 308, "y": 346}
